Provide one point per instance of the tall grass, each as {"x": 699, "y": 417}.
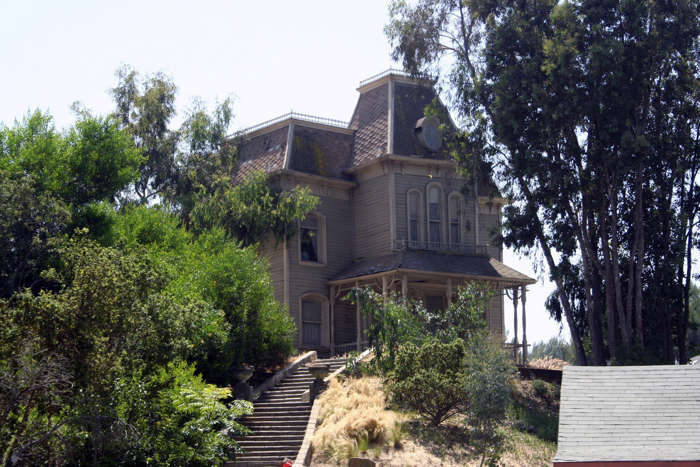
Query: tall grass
{"x": 354, "y": 419}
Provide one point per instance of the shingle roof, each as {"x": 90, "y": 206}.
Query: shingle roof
{"x": 370, "y": 122}
{"x": 633, "y": 413}
{"x": 430, "y": 261}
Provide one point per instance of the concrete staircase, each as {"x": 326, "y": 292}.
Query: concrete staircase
{"x": 279, "y": 420}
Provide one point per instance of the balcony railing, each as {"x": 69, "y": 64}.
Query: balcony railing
{"x": 442, "y": 247}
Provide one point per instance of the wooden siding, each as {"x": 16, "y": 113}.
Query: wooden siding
{"x": 312, "y": 279}
{"x": 404, "y": 182}
{"x": 273, "y": 252}
{"x": 490, "y": 232}
{"x": 372, "y": 235}
{"x": 494, "y": 315}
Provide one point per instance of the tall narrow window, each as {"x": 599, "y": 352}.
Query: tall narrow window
{"x": 414, "y": 205}
{"x": 311, "y": 321}
{"x": 309, "y": 239}
{"x": 455, "y": 216}
{"x": 434, "y": 216}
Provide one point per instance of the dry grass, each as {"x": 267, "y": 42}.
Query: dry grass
{"x": 548, "y": 363}
{"x": 354, "y": 411}
{"x": 354, "y": 419}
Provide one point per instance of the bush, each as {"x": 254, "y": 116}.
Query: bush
{"x": 429, "y": 379}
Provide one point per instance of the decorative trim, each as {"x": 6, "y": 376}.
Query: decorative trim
{"x": 505, "y": 283}
{"x": 390, "y": 120}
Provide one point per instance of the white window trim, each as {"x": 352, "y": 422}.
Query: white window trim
{"x": 322, "y": 253}
{"x": 420, "y": 216}
{"x": 427, "y": 213}
{"x": 325, "y": 317}
{"x": 460, "y": 218}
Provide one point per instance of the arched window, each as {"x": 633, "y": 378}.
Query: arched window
{"x": 434, "y": 215}
{"x": 455, "y": 218}
{"x": 414, "y": 217}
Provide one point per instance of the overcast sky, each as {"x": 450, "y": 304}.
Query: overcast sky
{"x": 272, "y": 57}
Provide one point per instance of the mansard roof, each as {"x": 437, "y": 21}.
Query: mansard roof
{"x": 383, "y": 122}
{"x": 468, "y": 266}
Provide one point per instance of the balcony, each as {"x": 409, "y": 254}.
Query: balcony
{"x": 442, "y": 247}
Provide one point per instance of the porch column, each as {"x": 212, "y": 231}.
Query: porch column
{"x": 404, "y": 288}
{"x": 384, "y": 291}
{"x": 331, "y": 317}
{"x": 358, "y": 321}
{"x": 449, "y": 291}
{"x": 522, "y": 298}
{"x": 515, "y": 324}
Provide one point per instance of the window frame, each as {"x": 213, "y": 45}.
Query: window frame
{"x": 419, "y": 217}
{"x": 440, "y": 221}
{"x": 320, "y": 243}
{"x": 460, "y": 218}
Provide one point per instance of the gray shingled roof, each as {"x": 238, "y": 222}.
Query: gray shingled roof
{"x": 430, "y": 261}
{"x": 633, "y": 413}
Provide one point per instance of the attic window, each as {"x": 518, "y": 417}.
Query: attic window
{"x": 429, "y": 133}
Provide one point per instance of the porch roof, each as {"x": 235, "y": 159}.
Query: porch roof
{"x": 474, "y": 267}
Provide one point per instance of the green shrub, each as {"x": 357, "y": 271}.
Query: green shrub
{"x": 429, "y": 379}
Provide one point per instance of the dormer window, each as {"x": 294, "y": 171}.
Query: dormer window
{"x": 455, "y": 218}
{"x": 414, "y": 217}
{"x": 434, "y": 215}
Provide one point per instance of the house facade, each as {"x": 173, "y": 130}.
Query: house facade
{"x": 394, "y": 214}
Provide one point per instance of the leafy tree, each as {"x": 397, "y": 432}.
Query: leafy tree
{"x": 205, "y": 154}
{"x": 94, "y": 369}
{"x": 53, "y": 183}
{"x": 428, "y": 378}
{"x": 230, "y": 279}
{"x": 589, "y": 112}
{"x": 144, "y": 110}
{"x": 252, "y": 209}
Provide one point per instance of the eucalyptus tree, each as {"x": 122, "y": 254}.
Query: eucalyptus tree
{"x": 588, "y": 113}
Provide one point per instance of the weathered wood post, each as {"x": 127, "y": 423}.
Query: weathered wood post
{"x": 515, "y": 324}
{"x": 522, "y": 298}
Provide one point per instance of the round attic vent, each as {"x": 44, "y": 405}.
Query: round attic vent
{"x": 429, "y": 133}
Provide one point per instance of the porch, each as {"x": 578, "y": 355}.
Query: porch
{"x": 433, "y": 278}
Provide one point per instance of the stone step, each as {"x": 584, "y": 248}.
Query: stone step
{"x": 282, "y": 453}
{"x": 283, "y": 444}
{"x": 276, "y": 413}
{"x": 259, "y": 460}
{"x": 267, "y": 427}
{"x": 275, "y": 418}
{"x": 277, "y": 434}
{"x": 282, "y": 405}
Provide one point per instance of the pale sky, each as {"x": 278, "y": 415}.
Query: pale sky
{"x": 272, "y": 57}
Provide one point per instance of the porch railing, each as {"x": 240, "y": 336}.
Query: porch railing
{"x": 442, "y": 247}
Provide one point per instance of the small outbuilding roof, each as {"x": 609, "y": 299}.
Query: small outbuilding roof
{"x": 629, "y": 414}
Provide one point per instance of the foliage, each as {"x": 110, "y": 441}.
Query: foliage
{"x": 53, "y": 183}
{"x": 110, "y": 321}
{"x": 27, "y": 221}
{"x": 253, "y": 208}
{"x": 561, "y": 99}
{"x": 430, "y": 379}
{"x": 246, "y": 324}
{"x": 535, "y": 408}
{"x": 144, "y": 110}
{"x": 391, "y": 324}
{"x": 555, "y": 347}
{"x": 465, "y": 315}
{"x": 694, "y": 324}
{"x": 192, "y": 424}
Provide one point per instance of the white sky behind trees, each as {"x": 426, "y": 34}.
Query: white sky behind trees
{"x": 272, "y": 57}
